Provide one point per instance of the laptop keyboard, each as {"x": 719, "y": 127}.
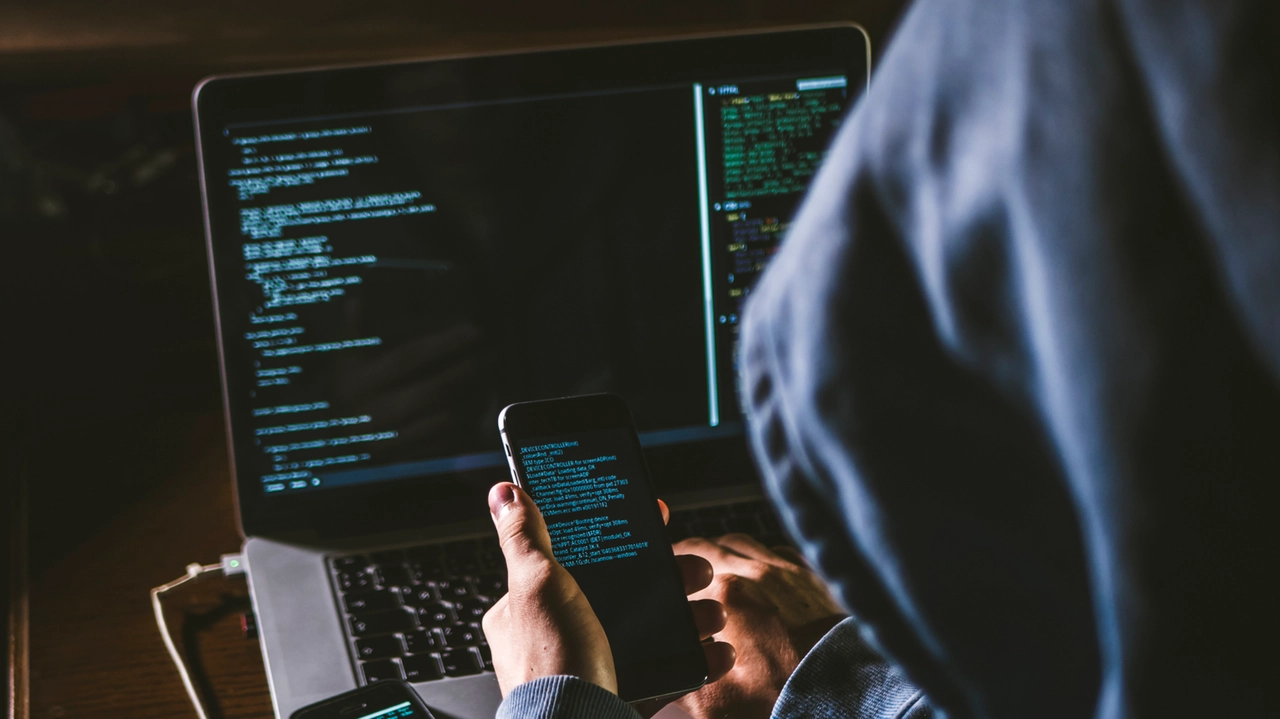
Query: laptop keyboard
{"x": 753, "y": 518}
{"x": 414, "y": 613}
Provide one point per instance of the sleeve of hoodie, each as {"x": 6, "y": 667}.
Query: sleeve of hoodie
{"x": 563, "y": 697}
{"x": 890, "y": 360}
{"x": 840, "y": 678}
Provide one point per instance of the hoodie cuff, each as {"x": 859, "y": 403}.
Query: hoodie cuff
{"x": 563, "y": 697}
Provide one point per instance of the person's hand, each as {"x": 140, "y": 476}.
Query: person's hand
{"x": 778, "y": 609}
{"x": 544, "y": 626}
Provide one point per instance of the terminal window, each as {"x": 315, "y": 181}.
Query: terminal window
{"x": 388, "y": 282}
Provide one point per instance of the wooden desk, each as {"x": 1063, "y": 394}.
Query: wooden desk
{"x": 95, "y": 649}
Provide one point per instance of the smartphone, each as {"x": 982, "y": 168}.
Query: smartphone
{"x": 381, "y": 700}
{"x": 579, "y": 458}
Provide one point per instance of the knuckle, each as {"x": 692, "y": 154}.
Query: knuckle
{"x": 728, "y": 588}
{"x": 768, "y": 573}
{"x": 511, "y": 535}
{"x": 498, "y": 621}
{"x": 531, "y": 578}
{"x": 695, "y": 545}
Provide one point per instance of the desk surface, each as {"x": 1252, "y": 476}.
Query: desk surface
{"x": 95, "y": 649}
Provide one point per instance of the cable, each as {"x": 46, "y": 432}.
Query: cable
{"x": 230, "y": 565}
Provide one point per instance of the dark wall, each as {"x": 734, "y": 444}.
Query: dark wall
{"x": 108, "y": 331}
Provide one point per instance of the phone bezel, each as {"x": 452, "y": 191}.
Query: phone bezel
{"x": 342, "y": 705}
{"x": 666, "y": 676}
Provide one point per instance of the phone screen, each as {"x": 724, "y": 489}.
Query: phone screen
{"x": 403, "y": 710}
{"x": 382, "y": 700}
{"x": 607, "y": 531}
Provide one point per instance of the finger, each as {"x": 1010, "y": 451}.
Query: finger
{"x": 723, "y": 560}
{"x": 489, "y": 622}
{"x": 709, "y": 616}
{"x": 721, "y": 657}
{"x": 666, "y": 512}
{"x": 746, "y": 546}
{"x": 791, "y": 554}
{"x": 521, "y": 532}
{"x": 696, "y": 572}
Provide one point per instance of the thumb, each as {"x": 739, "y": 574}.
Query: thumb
{"x": 522, "y": 533}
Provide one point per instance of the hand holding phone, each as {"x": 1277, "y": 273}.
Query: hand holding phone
{"x": 600, "y": 595}
{"x": 544, "y": 625}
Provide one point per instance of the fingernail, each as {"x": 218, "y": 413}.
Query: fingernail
{"x": 501, "y": 497}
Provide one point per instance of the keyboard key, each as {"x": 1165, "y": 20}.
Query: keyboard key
{"x": 423, "y": 668}
{"x": 467, "y": 563}
{"x": 379, "y": 647}
{"x": 683, "y": 516}
{"x": 423, "y": 642}
{"x": 706, "y": 528}
{"x": 770, "y": 524}
{"x": 362, "y": 602}
{"x": 436, "y": 614}
{"x": 421, "y": 552}
{"x": 391, "y": 576}
{"x": 492, "y": 559}
{"x": 470, "y": 610}
{"x": 677, "y": 531}
{"x": 380, "y": 670}
{"x": 746, "y": 509}
{"x": 453, "y": 588}
{"x": 491, "y": 585}
{"x": 349, "y": 562}
{"x": 419, "y": 595}
{"x": 745, "y": 525}
{"x": 461, "y": 635}
{"x": 354, "y": 581}
{"x": 460, "y": 663}
{"x": 389, "y": 556}
{"x": 773, "y": 540}
{"x": 387, "y": 622}
{"x": 486, "y": 656}
{"x": 426, "y": 570}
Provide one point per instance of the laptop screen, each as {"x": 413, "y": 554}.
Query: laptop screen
{"x": 397, "y": 262}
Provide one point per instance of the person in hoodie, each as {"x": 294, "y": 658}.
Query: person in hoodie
{"x": 1013, "y": 383}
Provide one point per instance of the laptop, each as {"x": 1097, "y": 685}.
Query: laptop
{"x": 398, "y": 251}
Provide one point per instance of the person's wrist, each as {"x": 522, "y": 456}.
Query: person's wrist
{"x": 810, "y": 634}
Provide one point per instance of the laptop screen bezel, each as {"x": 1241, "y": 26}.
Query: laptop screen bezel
{"x": 400, "y": 505}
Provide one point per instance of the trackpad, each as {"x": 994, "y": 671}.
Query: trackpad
{"x": 463, "y": 698}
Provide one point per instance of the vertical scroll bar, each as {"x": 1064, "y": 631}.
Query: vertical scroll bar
{"x": 713, "y": 384}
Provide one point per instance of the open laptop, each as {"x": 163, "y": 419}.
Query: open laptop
{"x": 398, "y": 251}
